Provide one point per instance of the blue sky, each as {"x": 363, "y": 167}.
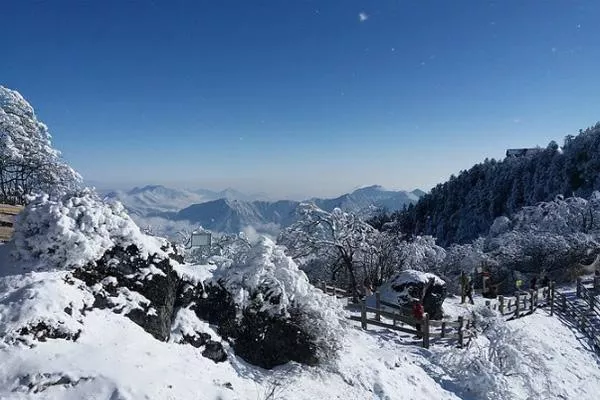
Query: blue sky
{"x": 300, "y": 97}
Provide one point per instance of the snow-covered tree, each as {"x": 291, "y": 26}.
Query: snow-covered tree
{"x": 464, "y": 207}
{"x": 28, "y": 162}
{"x": 421, "y": 254}
{"x": 339, "y": 240}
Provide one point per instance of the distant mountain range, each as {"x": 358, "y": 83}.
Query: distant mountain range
{"x": 156, "y": 199}
{"x": 231, "y": 211}
{"x": 230, "y": 215}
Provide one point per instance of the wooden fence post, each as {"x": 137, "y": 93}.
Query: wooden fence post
{"x": 518, "y": 304}
{"x": 552, "y": 298}
{"x": 462, "y": 287}
{"x": 426, "y": 330}
{"x": 443, "y": 328}
{"x": 579, "y": 287}
{"x": 378, "y": 305}
{"x": 501, "y": 300}
{"x": 531, "y": 300}
{"x": 324, "y": 287}
{"x": 460, "y": 331}
{"x": 363, "y": 315}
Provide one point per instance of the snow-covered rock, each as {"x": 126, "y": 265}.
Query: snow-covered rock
{"x": 265, "y": 304}
{"x": 405, "y": 286}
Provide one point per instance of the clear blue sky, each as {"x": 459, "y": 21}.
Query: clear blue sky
{"x": 300, "y": 97}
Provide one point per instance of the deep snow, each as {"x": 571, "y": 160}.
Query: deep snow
{"x": 113, "y": 358}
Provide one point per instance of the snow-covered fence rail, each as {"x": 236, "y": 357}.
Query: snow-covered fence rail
{"x": 524, "y": 302}
{"x": 457, "y": 331}
{"x": 585, "y": 314}
{"x": 589, "y": 294}
{"x": 584, "y": 321}
{"x": 334, "y": 291}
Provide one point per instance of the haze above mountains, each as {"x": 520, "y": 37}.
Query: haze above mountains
{"x": 231, "y": 211}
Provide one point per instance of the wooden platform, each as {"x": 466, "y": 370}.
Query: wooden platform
{"x": 7, "y": 219}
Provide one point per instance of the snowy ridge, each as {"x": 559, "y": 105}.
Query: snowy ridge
{"x": 164, "y": 208}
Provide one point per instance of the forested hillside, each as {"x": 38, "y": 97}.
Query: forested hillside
{"x": 464, "y": 207}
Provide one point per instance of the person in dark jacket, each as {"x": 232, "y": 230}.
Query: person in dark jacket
{"x": 418, "y": 311}
{"x": 533, "y": 283}
{"x": 469, "y": 290}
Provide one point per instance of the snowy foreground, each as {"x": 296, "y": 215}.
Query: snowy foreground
{"x": 113, "y": 358}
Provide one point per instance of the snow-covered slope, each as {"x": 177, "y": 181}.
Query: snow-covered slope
{"x": 113, "y": 358}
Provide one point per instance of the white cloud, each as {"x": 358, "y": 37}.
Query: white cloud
{"x": 362, "y": 16}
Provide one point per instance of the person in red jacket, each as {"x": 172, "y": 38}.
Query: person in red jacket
{"x": 418, "y": 311}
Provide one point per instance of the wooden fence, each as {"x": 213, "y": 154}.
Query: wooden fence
{"x": 334, "y": 291}
{"x": 524, "y": 302}
{"x": 586, "y": 318}
{"x": 458, "y": 330}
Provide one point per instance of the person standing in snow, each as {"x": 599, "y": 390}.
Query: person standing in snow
{"x": 533, "y": 283}
{"x": 418, "y": 311}
{"x": 367, "y": 288}
{"x": 467, "y": 288}
{"x": 518, "y": 284}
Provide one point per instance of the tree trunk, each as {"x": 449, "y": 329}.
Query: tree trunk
{"x": 353, "y": 285}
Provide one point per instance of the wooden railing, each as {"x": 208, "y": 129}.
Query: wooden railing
{"x": 586, "y": 320}
{"x": 589, "y": 295}
{"x": 458, "y": 330}
{"x": 524, "y": 302}
{"x": 333, "y": 291}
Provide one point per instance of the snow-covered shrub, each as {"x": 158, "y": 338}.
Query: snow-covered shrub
{"x": 279, "y": 316}
{"x": 494, "y": 361}
{"x": 76, "y": 229}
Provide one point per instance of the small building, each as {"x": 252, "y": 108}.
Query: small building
{"x": 513, "y": 153}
